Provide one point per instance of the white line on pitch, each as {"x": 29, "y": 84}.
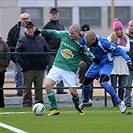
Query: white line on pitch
{"x": 6, "y": 113}
{"x": 16, "y": 130}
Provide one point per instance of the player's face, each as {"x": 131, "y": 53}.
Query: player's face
{"x": 89, "y": 41}
{"x": 73, "y": 34}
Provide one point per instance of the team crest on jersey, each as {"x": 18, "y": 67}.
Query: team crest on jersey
{"x": 112, "y": 47}
{"x": 66, "y": 53}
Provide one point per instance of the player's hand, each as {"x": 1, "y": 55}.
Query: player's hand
{"x": 130, "y": 65}
{"x": 82, "y": 51}
{"x": 97, "y": 60}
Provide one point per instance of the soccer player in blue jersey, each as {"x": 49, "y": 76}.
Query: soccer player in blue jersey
{"x": 104, "y": 53}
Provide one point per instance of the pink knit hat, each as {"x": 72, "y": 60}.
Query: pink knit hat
{"x": 117, "y": 24}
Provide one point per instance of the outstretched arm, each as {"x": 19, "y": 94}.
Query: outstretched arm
{"x": 53, "y": 33}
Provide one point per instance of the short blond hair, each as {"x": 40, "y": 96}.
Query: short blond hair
{"x": 90, "y": 34}
{"x": 75, "y": 27}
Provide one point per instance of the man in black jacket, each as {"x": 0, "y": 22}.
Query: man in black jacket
{"x": 54, "y": 43}
{"x": 33, "y": 66}
{"x": 15, "y": 32}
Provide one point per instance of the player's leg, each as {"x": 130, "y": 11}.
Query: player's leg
{"x": 48, "y": 84}
{"x": 75, "y": 99}
{"x": 51, "y": 79}
{"x": 104, "y": 83}
{"x": 87, "y": 87}
{"x": 83, "y": 67}
{"x": 72, "y": 83}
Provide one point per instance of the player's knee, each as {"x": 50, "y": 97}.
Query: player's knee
{"x": 48, "y": 86}
{"x": 73, "y": 92}
{"x": 87, "y": 81}
{"x": 104, "y": 78}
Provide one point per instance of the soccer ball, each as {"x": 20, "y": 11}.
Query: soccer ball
{"x": 38, "y": 109}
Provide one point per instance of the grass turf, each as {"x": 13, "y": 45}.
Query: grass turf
{"x": 95, "y": 120}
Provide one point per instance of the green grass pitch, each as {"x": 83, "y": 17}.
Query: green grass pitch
{"x": 95, "y": 120}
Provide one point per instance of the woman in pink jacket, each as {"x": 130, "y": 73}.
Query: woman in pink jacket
{"x": 120, "y": 70}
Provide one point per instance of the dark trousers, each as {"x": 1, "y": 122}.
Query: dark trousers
{"x": 119, "y": 80}
{"x": 2, "y": 77}
{"x": 36, "y": 77}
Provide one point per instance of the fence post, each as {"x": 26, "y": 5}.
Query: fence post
{"x": 105, "y": 98}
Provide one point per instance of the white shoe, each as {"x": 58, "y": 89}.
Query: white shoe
{"x": 122, "y": 107}
{"x": 87, "y": 104}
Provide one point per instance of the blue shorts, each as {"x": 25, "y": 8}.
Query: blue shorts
{"x": 95, "y": 71}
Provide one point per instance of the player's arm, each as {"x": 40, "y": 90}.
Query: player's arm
{"x": 117, "y": 51}
{"x": 53, "y": 33}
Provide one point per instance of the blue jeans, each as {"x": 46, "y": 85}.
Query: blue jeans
{"x": 18, "y": 76}
{"x": 119, "y": 80}
{"x": 128, "y": 91}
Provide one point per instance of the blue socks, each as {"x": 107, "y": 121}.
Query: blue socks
{"x": 111, "y": 91}
{"x": 86, "y": 92}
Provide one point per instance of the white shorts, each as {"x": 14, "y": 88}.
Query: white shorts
{"x": 69, "y": 78}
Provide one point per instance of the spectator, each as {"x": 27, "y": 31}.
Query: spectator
{"x": 33, "y": 66}
{"x": 65, "y": 66}
{"x": 102, "y": 66}
{"x": 4, "y": 62}
{"x": 53, "y": 42}
{"x": 127, "y": 95}
{"x": 120, "y": 71}
{"x": 85, "y": 63}
{"x": 15, "y": 32}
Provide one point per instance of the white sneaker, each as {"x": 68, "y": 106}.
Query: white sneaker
{"x": 122, "y": 107}
{"x": 87, "y": 104}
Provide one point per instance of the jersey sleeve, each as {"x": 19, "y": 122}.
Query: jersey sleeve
{"x": 115, "y": 50}
{"x": 53, "y": 33}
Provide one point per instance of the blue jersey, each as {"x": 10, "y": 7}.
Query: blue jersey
{"x": 106, "y": 51}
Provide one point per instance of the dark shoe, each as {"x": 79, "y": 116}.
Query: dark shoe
{"x": 128, "y": 105}
{"x": 62, "y": 92}
{"x": 79, "y": 111}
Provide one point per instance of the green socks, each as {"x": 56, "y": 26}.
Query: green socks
{"x": 76, "y": 101}
{"x": 52, "y": 100}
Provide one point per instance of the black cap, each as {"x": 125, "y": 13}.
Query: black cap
{"x": 29, "y": 24}
{"x": 85, "y": 27}
{"x": 53, "y": 10}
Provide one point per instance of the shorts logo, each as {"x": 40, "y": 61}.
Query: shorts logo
{"x": 66, "y": 53}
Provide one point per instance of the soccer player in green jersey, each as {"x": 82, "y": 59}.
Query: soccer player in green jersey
{"x": 65, "y": 66}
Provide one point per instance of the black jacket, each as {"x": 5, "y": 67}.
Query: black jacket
{"x": 13, "y": 36}
{"x": 53, "y": 43}
{"x": 32, "y": 44}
